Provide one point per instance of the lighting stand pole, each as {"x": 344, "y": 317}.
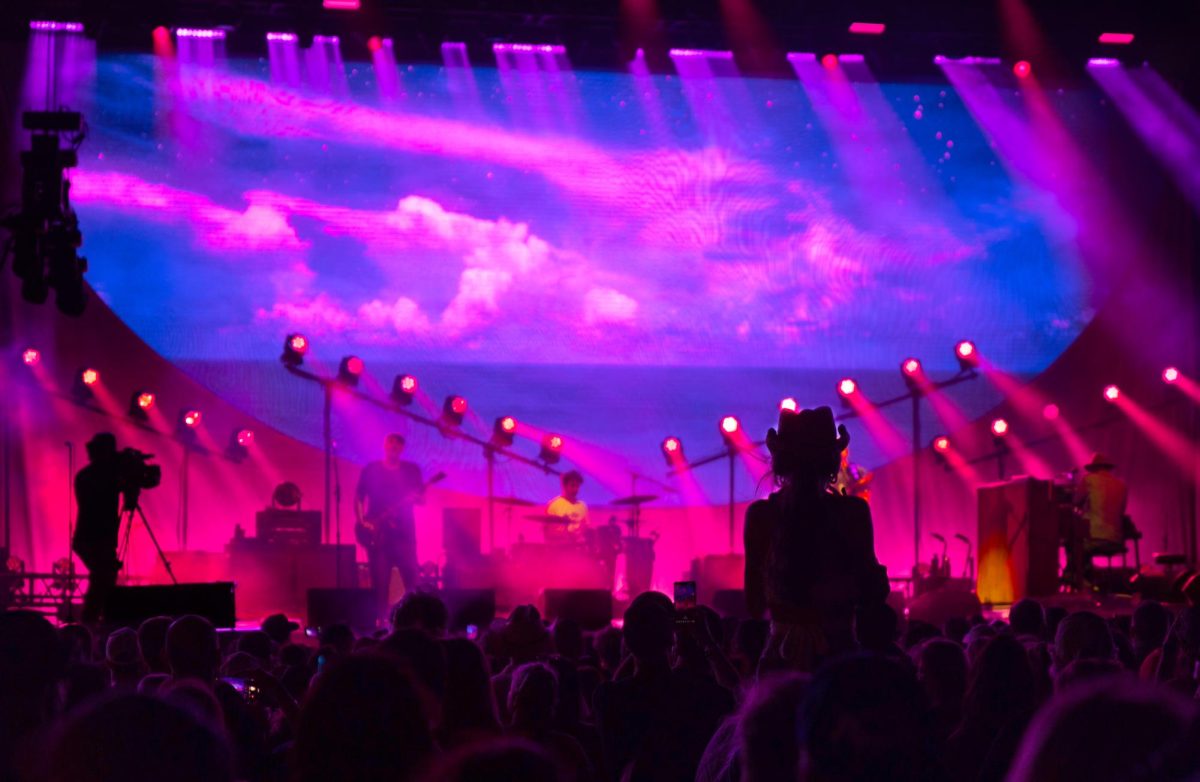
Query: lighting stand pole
{"x": 916, "y": 478}
{"x": 489, "y": 455}
{"x": 732, "y": 519}
{"x": 327, "y": 437}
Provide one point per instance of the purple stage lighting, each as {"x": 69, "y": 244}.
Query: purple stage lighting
{"x": 192, "y": 32}
{"x": 283, "y": 37}
{"x": 1119, "y": 39}
{"x": 528, "y": 48}
{"x": 867, "y": 28}
{"x": 56, "y": 27}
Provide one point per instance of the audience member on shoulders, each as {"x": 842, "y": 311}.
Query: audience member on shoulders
{"x": 810, "y": 553}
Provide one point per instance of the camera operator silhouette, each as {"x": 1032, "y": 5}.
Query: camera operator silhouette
{"x": 98, "y": 496}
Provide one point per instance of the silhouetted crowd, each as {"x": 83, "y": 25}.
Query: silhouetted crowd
{"x": 667, "y": 696}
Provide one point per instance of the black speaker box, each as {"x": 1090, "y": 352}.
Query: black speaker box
{"x": 130, "y": 605}
{"x": 470, "y": 607}
{"x": 354, "y": 607}
{"x": 591, "y": 608}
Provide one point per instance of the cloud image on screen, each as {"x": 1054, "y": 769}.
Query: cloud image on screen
{"x": 645, "y": 221}
{"x": 613, "y": 256}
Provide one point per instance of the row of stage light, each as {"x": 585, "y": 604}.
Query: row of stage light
{"x": 1000, "y": 427}
{"x": 454, "y": 407}
{"x": 967, "y": 355}
{"x": 404, "y": 390}
{"x": 142, "y": 402}
{"x": 1022, "y": 69}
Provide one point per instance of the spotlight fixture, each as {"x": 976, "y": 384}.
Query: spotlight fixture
{"x": 294, "y": 348}
{"x": 672, "y": 448}
{"x": 847, "y": 387}
{"x": 404, "y": 388}
{"x": 789, "y": 405}
{"x": 186, "y": 426}
{"x": 941, "y": 444}
{"x": 551, "y": 450}
{"x": 350, "y": 368}
{"x": 85, "y": 381}
{"x": 1117, "y": 39}
{"x": 31, "y": 356}
{"x": 141, "y": 402}
{"x": 1169, "y": 375}
{"x": 240, "y": 441}
{"x": 829, "y": 61}
{"x": 1022, "y": 69}
{"x": 1050, "y": 412}
{"x": 967, "y": 355}
{"x": 729, "y": 428}
{"x": 911, "y": 369}
{"x": 453, "y": 410}
{"x": 999, "y": 428}
{"x": 503, "y": 431}
{"x": 1112, "y": 393}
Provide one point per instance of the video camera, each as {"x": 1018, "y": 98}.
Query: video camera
{"x": 135, "y": 473}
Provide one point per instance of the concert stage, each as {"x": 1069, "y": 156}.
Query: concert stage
{"x": 637, "y": 264}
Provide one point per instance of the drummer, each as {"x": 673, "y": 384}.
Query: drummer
{"x": 571, "y": 509}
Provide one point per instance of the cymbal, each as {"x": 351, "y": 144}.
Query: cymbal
{"x": 514, "y": 501}
{"x": 634, "y": 499}
{"x": 546, "y": 518}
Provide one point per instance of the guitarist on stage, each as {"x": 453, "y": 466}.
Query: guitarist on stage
{"x": 383, "y": 510}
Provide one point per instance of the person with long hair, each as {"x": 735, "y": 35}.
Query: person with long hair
{"x": 810, "y": 552}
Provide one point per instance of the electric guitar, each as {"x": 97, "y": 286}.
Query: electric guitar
{"x": 368, "y": 529}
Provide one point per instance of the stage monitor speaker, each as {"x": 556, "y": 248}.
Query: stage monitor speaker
{"x": 130, "y": 605}
{"x": 730, "y": 602}
{"x": 354, "y": 607}
{"x": 591, "y": 608}
{"x": 470, "y": 607}
{"x": 461, "y": 533}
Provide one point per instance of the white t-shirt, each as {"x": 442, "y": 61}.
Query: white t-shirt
{"x": 576, "y": 512}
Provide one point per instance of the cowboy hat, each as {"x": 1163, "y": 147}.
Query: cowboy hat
{"x": 1099, "y": 462}
{"x": 808, "y": 430}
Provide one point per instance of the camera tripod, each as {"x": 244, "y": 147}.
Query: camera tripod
{"x": 132, "y": 508}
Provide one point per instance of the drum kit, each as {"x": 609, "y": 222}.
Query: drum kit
{"x": 603, "y": 543}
